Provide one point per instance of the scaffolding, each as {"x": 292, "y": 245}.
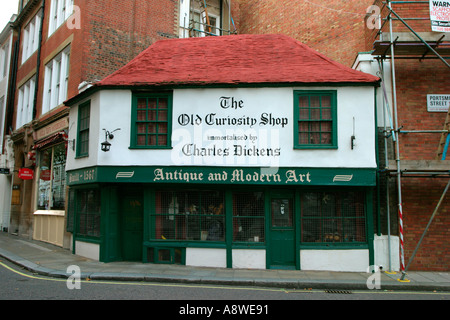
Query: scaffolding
{"x": 207, "y": 18}
{"x": 391, "y": 46}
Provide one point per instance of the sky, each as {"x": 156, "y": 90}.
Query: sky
{"x": 7, "y": 9}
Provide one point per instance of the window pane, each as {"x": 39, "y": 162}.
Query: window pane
{"x": 162, "y": 115}
{"x": 163, "y": 103}
{"x": 315, "y": 119}
{"x": 326, "y": 101}
{"x": 315, "y": 102}
{"x": 152, "y": 103}
{"x": 44, "y": 187}
{"x": 189, "y": 215}
{"x": 142, "y": 103}
{"x": 59, "y": 177}
{"x": 162, "y": 140}
{"x": 333, "y": 217}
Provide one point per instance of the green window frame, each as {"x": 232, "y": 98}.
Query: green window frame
{"x": 84, "y": 116}
{"x": 151, "y": 121}
{"x": 189, "y": 215}
{"x": 315, "y": 119}
{"x": 338, "y": 218}
{"x": 84, "y": 212}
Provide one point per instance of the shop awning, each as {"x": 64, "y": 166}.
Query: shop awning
{"x": 56, "y": 137}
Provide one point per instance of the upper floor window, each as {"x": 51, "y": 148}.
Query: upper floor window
{"x": 56, "y": 80}
{"x": 315, "y": 115}
{"x": 151, "y": 121}
{"x": 25, "y": 103}
{"x": 84, "y": 116}
{"x": 31, "y": 37}
{"x": 60, "y": 11}
{"x": 4, "y": 60}
{"x": 201, "y": 28}
{"x": 2, "y": 120}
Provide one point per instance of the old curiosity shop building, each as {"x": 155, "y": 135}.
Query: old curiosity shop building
{"x": 246, "y": 151}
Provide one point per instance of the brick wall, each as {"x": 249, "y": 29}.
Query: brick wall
{"x": 420, "y": 197}
{"x": 334, "y": 28}
{"x": 117, "y": 31}
{"x": 414, "y": 80}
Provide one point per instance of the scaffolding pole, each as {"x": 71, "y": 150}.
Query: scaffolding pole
{"x": 397, "y": 144}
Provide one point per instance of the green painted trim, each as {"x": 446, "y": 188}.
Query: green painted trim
{"x": 370, "y": 225}
{"x": 287, "y": 177}
{"x": 229, "y": 226}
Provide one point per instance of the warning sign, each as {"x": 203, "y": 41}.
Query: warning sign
{"x": 440, "y": 15}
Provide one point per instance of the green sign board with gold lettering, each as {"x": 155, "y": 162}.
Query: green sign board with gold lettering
{"x": 222, "y": 175}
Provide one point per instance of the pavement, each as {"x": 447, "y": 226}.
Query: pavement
{"x": 52, "y": 261}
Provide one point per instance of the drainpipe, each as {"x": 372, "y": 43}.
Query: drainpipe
{"x": 38, "y": 66}
{"x": 12, "y": 86}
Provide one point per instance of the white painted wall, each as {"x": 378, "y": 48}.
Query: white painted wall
{"x": 249, "y": 259}
{"x": 87, "y": 250}
{"x": 381, "y": 248}
{"x": 111, "y": 109}
{"x": 201, "y": 257}
{"x": 335, "y": 260}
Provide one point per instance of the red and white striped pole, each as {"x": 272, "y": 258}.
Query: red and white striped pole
{"x": 402, "y": 243}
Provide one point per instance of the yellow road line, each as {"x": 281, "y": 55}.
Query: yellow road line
{"x": 218, "y": 287}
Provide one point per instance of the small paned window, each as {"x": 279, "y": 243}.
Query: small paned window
{"x": 333, "y": 217}
{"x": 315, "y": 115}
{"x": 88, "y": 212}
{"x": 52, "y": 178}
{"x": 189, "y": 215}
{"x": 151, "y": 127}
{"x": 248, "y": 217}
{"x": 84, "y": 116}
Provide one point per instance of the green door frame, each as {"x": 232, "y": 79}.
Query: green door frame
{"x": 272, "y": 232}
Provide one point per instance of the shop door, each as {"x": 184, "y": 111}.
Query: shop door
{"x": 132, "y": 227}
{"x": 282, "y": 234}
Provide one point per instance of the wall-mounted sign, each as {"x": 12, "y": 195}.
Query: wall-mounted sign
{"x": 440, "y": 15}
{"x": 26, "y": 174}
{"x": 4, "y": 171}
{"x": 438, "y": 102}
{"x": 225, "y": 175}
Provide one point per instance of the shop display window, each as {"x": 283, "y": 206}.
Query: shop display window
{"x": 189, "y": 215}
{"x": 248, "y": 217}
{"x": 337, "y": 217}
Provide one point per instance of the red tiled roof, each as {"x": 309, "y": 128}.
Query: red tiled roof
{"x": 241, "y": 59}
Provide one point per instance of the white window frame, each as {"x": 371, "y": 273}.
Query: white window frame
{"x": 2, "y": 120}
{"x": 56, "y": 80}
{"x": 202, "y": 17}
{"x": 4, "y": 60}
{"x": 25, "y": 103}
{"x": 31, "y": 37}
{"x": 60, "y": 11}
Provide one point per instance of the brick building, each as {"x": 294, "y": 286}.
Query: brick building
{"x": 334, "y": 28}
{"x": 102, "y": 36}
{"x": 416, "y": 74}
{"x": 62, "y": 44}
